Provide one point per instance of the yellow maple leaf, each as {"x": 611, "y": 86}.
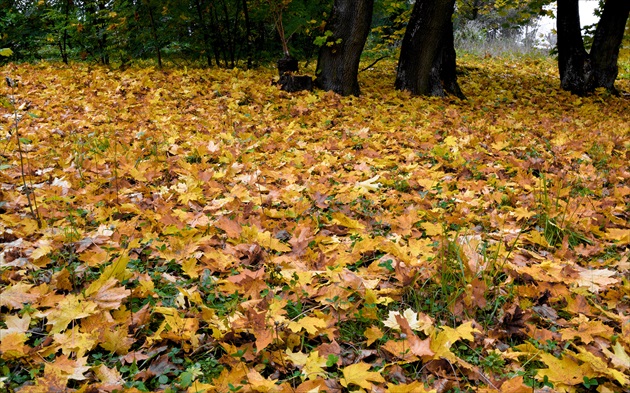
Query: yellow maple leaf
{"x": 358, "y": 374}
{"x": 69, "y": 308}
{"x": 618, "y": 235}
{"x": 314, "y": 366}
{"x": 109, "y": 376}
{"x": 74, "y": 341}
{"x": 372, "y": 334}
{"x": 566, "y": 370}
{"x": 15, "y": 324}
{"x": 297, "y": 358}
{"x": 310, "y": 324}
{"x": 522, "y": 213}
{"x": 345, "y": 221}
{"x": 600, "y": 367}
{"x": 190, "y": 268}
{"x": 443, "y": 341}
{"x": 12, "y": 345}
{"x": 413, "y": 387}
{"x": 117, "y": 270}
{"x": 42, "y": 250}
{"x": 116, "y": 341}
{"x": 199, "y": 387}
{"x": 432, "y": 229}
{"x": 619, "y": 358}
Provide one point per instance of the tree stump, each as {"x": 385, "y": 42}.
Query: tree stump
{"x": 287, "y": 64}
{"x": 289, "y": 82}
{"x": 292, "y": 83}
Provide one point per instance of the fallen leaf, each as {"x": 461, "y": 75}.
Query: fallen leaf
{"x": 358, "y": 374}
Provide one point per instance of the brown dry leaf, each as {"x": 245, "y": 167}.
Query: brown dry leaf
{"x": 231, "y": 227}
{"x": 597, "y": 279}
{"x": 108, "y": 296}
{"x": 16, "y": 295}
{"x": 418, "y": 347}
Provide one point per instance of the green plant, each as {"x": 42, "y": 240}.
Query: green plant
{"x": 553, "y": 218}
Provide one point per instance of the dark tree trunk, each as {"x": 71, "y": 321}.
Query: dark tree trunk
{"x": 582, "y": 72}
{"x": 204, "y": 32}
{"x": 338, "y": 63}
{"x": 572, "y": 57}
{"x": 63, "y": 45}
{"x": 248, "y": 35}
{"x": 445, "y": 67}
{"x": 156, "y": 42}
{"x": 427, "y": 56}
{"x": 102, "y": 25}
{"x": 607, "y": 41}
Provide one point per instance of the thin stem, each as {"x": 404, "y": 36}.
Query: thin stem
{"x": 27, "y": 190}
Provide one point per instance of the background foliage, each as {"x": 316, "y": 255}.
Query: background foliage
{"x": 224, "y": 33}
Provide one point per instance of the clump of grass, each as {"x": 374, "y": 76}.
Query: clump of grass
{"x": 474, "y": 38}
{"x": 553, "y": 220}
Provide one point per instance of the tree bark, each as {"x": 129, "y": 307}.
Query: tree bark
{"x": 204, "y": 32}
{"x": 248, "y": 34}
{"x": 446, "y": 63}
{"x": 427, "y": 56}
{"x": 582, "y": 72}
{"x": 607, "y": 41}
{"x": 156, "y": 42}
{"x": 572, "y": 57}
{"x": 338, "y": 63}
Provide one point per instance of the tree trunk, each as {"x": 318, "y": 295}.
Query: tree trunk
{"x": 446, "y": 66}
{"x": 102, "y": 26}
{"x": 338, "y": 63}
{"x": 204, "y": 32}
{"x": 607, "y": 41}
{"x": 572, "y": 57}
{"x": 156, "y": 42}
{"x": 248, "y": 35}
{"x": 427, "y": 56}
{"x": 581, "y": 72}
{"x": 63, "y": 46}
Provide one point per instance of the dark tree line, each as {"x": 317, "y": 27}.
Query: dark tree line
{"x": 221, "y": 33}
{"x": 230, "y": 33}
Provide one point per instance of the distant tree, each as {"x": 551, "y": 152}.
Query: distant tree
{"x": 60, "y": 16}
{"x": 22, "y": 28}
{"x": 427, "y": 56}
{"x": 582, "y": 72}
{"x": 339, "y": 56}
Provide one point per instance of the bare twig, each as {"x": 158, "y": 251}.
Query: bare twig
{"x": 374, "y": 62}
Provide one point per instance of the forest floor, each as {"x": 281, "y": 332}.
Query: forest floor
{"x": 202, "y": 231}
